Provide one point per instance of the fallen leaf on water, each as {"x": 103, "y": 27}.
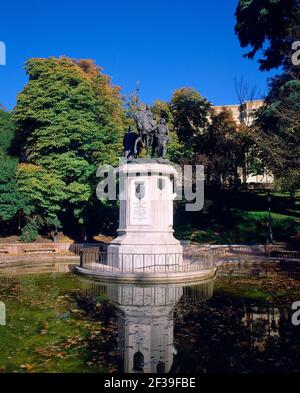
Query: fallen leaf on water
{"x": 27, "y": 366}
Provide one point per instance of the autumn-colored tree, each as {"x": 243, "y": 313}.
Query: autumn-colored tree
{"x": 69, "y": 119}
{"x": 224, "y": 146}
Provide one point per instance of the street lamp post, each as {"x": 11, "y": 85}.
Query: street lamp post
{"x": 270, "y": 233}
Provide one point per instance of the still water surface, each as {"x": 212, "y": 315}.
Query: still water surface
{"x": 60, "y": 322}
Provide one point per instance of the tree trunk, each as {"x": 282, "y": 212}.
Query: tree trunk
{"x": 54, "y": 236}
{"x": 84, "y": 233}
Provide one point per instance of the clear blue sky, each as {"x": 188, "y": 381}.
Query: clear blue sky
{"x": 165, "y": 44}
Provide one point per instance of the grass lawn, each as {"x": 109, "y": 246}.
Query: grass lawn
{"x": 237, "y": 218}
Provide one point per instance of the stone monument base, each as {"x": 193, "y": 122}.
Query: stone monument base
{"x": 145, "y": 236}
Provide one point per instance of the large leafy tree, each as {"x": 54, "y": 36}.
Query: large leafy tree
{"x": 224, "y": 146}
{"x": 69, "y": 119}
{"x": 277, "y": 131}
{"x": 273, "y": 25}
{"x": 269, "y": 27}
{"x": 190, "y": 118}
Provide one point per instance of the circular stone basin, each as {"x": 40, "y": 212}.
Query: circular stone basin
{"x": 147, "y": 268}
{"x": 159, "y": 277}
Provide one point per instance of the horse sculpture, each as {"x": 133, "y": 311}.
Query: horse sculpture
{"x": 151, "y": 136}
{"x": 146, "y": 126}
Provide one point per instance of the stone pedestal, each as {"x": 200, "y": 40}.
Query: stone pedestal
{"x": 145, "y": 234}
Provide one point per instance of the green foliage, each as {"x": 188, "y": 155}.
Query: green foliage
{"x": 161, "y": 109}
{"x": 190, "y": 118}
{"x": 184, "y": 232}
{"x": 10, "y": 199}
{"x": 42, "y": 190}
{"x": 30, "y": 232}
{"x": 231, "y": 217}
{"x": 240, "y": 227}
{"x": 69, "y": 120}
{"x": 132, "y": 104}
{"x": 224, "y": 146}
{"x": 277, "y": 131}
{"x": 268, "y": 25}
{"x": 6, "y": 131}
{"x": 273, "y": 26}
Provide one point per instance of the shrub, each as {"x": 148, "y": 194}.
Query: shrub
{"x": 29, "y": 232}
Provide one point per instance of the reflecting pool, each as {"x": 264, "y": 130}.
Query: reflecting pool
{"x": 240, "y": 321}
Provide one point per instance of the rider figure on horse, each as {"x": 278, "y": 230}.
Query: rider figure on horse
{"x": 146, "y": 126}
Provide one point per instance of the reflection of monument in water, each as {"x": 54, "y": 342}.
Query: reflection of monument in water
{"x": 146, "y": 326}
{"x": 146, "y": 321}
